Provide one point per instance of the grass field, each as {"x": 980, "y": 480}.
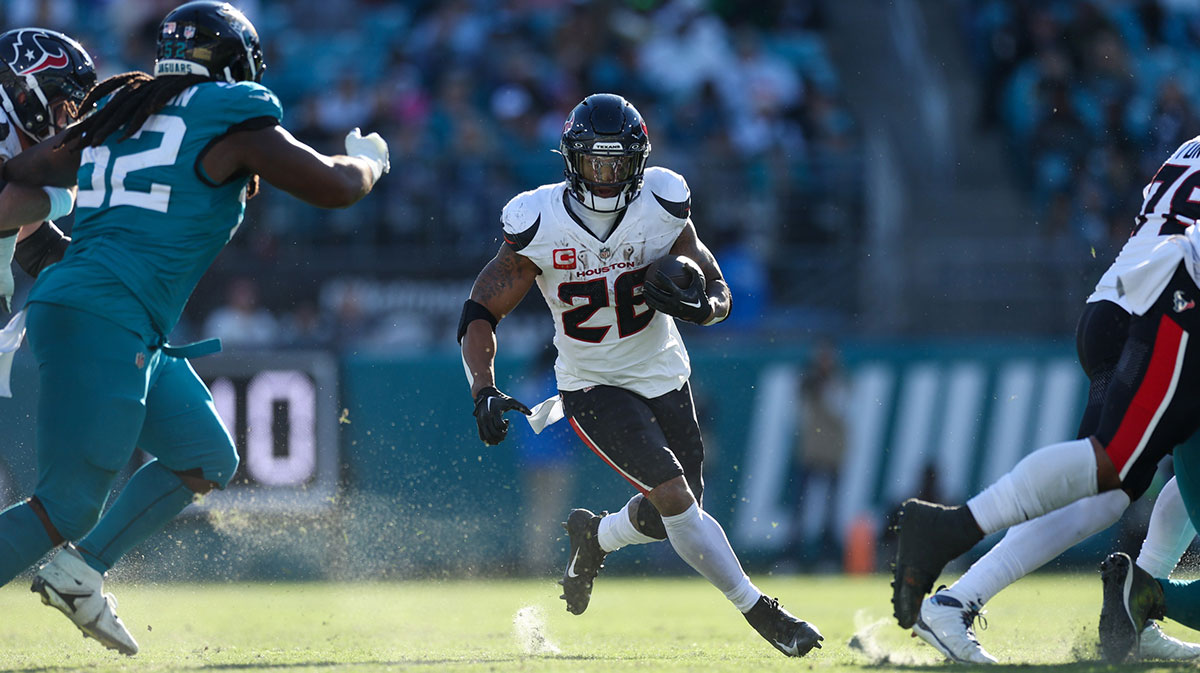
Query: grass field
{"x": 645, "y": 625}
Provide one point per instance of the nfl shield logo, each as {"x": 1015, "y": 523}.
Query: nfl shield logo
{"x": 140, "y": 360}
{"x": 605, "y": 253}
{"x": 189, "y": 32}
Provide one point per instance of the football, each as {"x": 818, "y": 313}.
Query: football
{"x": 679, "y": 268}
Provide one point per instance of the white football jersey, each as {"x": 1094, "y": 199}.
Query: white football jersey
{"x": 1171, "y": 203}
{"x": 603, "y": 330}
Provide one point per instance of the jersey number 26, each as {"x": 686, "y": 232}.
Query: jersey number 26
{"x": 627, "y": 302}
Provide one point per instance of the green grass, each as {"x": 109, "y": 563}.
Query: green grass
{"x": 1047, "y": 622}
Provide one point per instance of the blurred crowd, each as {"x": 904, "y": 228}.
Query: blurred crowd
{"x": 1094, "y": 95}
{"x": 741, "y": 98}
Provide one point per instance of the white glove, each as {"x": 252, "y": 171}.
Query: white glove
{"x": 8, "y": 247}
{"x": 370, "y": 147}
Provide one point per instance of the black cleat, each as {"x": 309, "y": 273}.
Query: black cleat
{"x": 1131, "y": 598}
{"x": 585, "y": 560}
{"x": 794, "y": 637}
{"x": 930, "y": 536}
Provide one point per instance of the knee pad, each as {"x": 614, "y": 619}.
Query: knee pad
{"x": 649, "y": 521}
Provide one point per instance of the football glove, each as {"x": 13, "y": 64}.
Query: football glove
{"x": 8, "y": 247}
{"x": 372, "y": 148}
{"x": 690, "y": 303}
{"x": 490, "y": 405}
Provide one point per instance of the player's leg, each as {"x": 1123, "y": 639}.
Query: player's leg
{"x": 658, "y": 445}
{"x": 1183, "y": 598}
{"x": 696, "y": 536}
{"x": 93, "y": 380}
{"x": 194, "y": 454}
{"x": 1167, "y": 538}
{"x": 699, "y": 539}
{"x": 618, "y": 426}
{"x": 1057, "y": 475}
{"x": 946, "y": 618}
{"x": 1153, "y": 405}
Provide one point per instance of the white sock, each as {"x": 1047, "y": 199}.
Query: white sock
{"x": 617, "y": 530}
{"x": 1169, "y": 534}
{"x": 1030, "y": 545}
{"x": 699, "y": 540}
{"x": 1051, "y": 477}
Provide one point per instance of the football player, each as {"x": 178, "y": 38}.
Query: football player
{"x": 166, "y": 163}
{"x": 1132, "y": 342}
{"x": 622, "y": 368}
{"x": 44, "y": 76}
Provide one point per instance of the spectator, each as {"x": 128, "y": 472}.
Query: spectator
{"x": 823, "y": 397}
{"x": 242, "y": 322}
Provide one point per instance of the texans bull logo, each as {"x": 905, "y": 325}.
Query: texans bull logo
{"x": 35, "y": 52}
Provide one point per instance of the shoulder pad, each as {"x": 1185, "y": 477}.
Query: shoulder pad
{"x": 670, "y": 190}
{"x": 244, "y": 100}
{"x": 521, "y": 217}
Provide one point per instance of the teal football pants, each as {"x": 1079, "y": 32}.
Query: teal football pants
{"x": 1183, "y": 597}
{"x": 104, "y": 391}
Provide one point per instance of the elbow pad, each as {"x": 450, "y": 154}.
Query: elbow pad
{"x": 45, "y": 246}
{"x": 472, "y": 311}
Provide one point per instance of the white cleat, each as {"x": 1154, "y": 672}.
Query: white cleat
{"x": 947, "y": 623}
{"x": 1155, "y": 644}
{"x": 68, "y": 583}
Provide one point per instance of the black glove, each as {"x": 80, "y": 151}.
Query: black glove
{"x": 690, "y": 303}
{"x": 490, "y": 405}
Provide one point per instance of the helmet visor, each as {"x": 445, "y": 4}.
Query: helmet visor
{"x": 605, "y": 175}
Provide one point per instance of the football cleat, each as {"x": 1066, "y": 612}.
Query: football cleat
{"x": 794, "y": 637}
{"x": 68, "y": 583}
{"x": 948, "y": 624}
{"x": 1154, "y": 644}
{"x": 585, "y": 560}
{"x": 1131, "y": 598}
{"x": 930, "y": 536}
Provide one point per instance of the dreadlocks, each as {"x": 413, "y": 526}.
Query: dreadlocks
{"x": 137, "y": 96}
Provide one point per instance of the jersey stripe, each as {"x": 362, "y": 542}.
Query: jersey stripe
{"x": 596, "y": 449}
{"x": 1152, "y": 398}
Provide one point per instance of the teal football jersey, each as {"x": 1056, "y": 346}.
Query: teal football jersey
{"x": 148, "y": 221}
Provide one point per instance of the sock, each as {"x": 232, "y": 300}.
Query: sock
{"x": 1168, "y": 535}
{"x": 617, "y": 530}
{"x": 1183, "y": 601}
{"x": 1030, "y": 545}
{"x": 1051, "y": 477}
{"x": 699, "y": 540}
{"x": 153, "y": 496}
{"x": 23, "y": 540}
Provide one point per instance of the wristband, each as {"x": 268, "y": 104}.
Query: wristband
{"x": 62, "y": 201}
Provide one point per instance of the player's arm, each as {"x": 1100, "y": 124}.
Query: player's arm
{"x": 49, "y": 162}
{"x": 498, "y": 289}
{"x": 22, "y": 205}
{"x": 277, "y": 157}
{"x": 707, "y": 300}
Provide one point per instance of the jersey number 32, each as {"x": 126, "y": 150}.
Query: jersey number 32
{"x": 171, "y": 129}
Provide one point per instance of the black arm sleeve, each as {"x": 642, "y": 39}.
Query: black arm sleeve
{"x": 45, "y": 246}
